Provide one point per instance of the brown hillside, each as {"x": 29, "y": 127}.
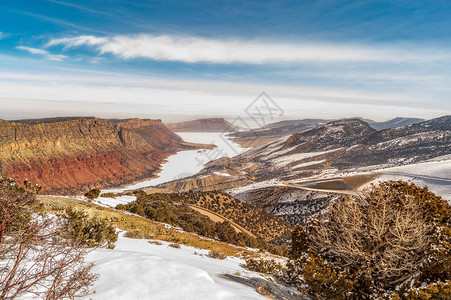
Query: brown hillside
{"x": 256, "y": 220}
{"x": 215, "y": 215}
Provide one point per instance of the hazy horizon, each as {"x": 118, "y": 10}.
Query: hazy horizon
{"x": 186, "y": 118}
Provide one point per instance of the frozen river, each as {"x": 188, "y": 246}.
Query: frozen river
{"x": 187, "y": 163}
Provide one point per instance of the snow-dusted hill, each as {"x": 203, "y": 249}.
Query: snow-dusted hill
{"x": 333, "y": 151}
{"x": 350, "y": 144}
{"x": 396, "y": 122}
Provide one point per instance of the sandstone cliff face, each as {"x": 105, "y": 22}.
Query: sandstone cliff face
{"x": 68, "y": 156}
{"x": 202, "y": 125}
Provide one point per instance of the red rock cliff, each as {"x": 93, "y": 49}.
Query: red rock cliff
{"x": 73, "y": 155}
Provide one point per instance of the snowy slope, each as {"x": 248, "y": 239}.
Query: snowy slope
{"x": 136, "y": 269}
{"x": 435, "y": 174}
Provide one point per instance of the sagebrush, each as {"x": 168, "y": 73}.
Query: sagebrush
{"x": 392, "y": 242}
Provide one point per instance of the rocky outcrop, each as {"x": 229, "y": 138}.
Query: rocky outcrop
{"x": 202, "y": 125}
{"x": 71, "y": 155}
{"x": 335, "y": 134}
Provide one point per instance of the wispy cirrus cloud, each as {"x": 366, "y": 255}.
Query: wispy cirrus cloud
{"x": 204, "y": 50}
{"x": 82, "y": 40}
{"x": 83, "y": 8}
{"x": 59, "y": 22}
{"x": 47, "y": 54}
{"x": 33, "y": 50}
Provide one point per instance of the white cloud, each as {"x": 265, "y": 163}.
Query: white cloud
{"x": 195, "y": 50}
{"x": 56, "y": 57}
{"x": 47, "y": 54}
{"x": 78, "y": 41}
{"x": 33, "y": 50}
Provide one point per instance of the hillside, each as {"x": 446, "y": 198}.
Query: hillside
{"x": 149, "y": 266}
{"x": 396, "y": 122}
{"x": 271, "y": 132}
{"x": 295, "y": 176}
{"x": 71, "y": 155}
{"x": 353, "y": 143}
{"x": 202, "y": 125}
{"x": 236, "y": 222}
{"x": 295, "y": 206}
{"x": 342, "y": 133}
{"x": 280, "y": 128}
{"x": 256, "y": 220}
{"x": 266, "y": 134}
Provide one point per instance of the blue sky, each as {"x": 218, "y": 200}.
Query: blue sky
{"x": 185, "y": 59}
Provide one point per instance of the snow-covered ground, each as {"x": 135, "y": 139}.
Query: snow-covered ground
{"x": 307, "y": 164}
{"x": 222, "y": 174}
{"x": 136, "y": 269}
{"x": 112, "y": 202}
{"x": 435, "y": 174}
{"x": 284, "y": 160}
{"x": 254, "y": 186}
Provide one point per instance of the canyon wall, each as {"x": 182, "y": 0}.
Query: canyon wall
{"x": 73, "y": 155}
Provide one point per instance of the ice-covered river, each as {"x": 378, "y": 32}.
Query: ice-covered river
{"x": 187, "y": 163}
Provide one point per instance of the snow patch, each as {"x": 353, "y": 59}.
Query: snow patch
{"x": 281, "y": 162}
{"x": 136, "y": 269}
{"x": 112, "y": 202}
{"x": 222, "y": 174}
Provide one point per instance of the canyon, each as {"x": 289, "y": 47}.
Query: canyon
{"x": 73, "y": 155}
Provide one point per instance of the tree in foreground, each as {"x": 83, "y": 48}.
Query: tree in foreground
{"x": 35, "y": 257}
{"x": 393, "y": 242}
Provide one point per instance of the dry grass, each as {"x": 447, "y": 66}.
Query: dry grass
{"x": 155, "y": 243}
{"x": 208, "y": 183}
{"x": 252, "y": 142}
{"x": 137, "y": 234}
{"x": 216, "y": 255}
{"x": 127, "y": 222}
{"x": 357, "y": 181}
{"x": 263, "y": 289}
{"x": 336, "y": 185}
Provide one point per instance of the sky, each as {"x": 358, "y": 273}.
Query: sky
{"x": 180, "y": 60}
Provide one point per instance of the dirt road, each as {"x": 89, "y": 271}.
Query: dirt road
{"x": 218, "y": 218}
{"x": 292, "y": 183}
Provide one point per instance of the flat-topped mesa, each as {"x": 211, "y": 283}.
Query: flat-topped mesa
{"x": 136, "y": 123}
{"x": 72, "y": 155}
{"x": 202, "y": 125}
